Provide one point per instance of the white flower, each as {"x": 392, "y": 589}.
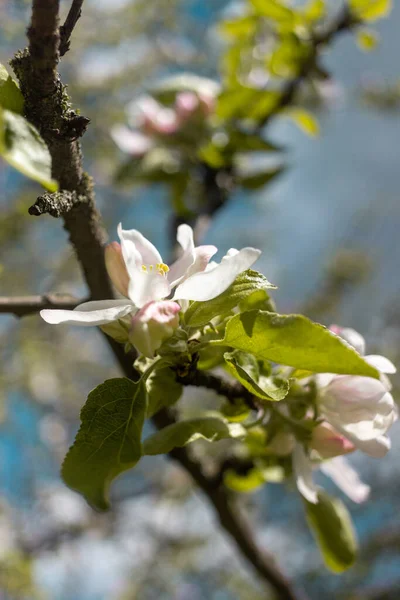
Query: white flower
{"x": 360, "y": 408}
{"x": 338, "y": 469}
{"x": 138, "y": 272}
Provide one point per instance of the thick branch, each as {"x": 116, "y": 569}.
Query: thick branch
{"x": 51, "y": 115}
{"x": 66, "y": 30}
{"x": 20, "y": 306}
{"x": 230, "y": 389}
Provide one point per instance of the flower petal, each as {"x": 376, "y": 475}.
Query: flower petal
{"x": 377, "y": 448}
{"x": 131, "y": 142}
{"x": 98, "y": 312}
{"x": 146, "y": 286}
{"x": 383, "y": 364}
{"x": 210, "y": 284}
{"x": 346, "y": 478}
{"x": 180, "y": 267}
{"x": 302, "y": 467}
{"x": 116, "y": 267}
{"x": 148, "y": 252}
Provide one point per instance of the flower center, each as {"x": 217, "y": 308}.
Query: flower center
{"x": 159, "y": 268}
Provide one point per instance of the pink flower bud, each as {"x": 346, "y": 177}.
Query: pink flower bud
{"x": 351, "y": 336}
{"x": 329, "y": 443}
{"x": 186, "y": 104}
{"x": 153, "y": 324}
{"x": 116, "y": 267}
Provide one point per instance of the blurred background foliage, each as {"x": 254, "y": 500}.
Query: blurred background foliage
{"x": 328, "y": 228}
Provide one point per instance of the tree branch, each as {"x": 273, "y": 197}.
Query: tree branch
{"x": 20, "y": 306}
{"x": 66, "y": 30}
{"x": 47, "y": 107}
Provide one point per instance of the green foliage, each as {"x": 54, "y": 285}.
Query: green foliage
{"x": 163, "y": 390}
{"x": 258, "y": 179}
{"x": 294, "y": 340}
{"x": 330, "y": 522}
{"x": 244, "y": 483}
{"x": 10, "y": 94}
{"x": 108, "y": 441}
{"x": 23, "y": 148}
{"x": 245, "y": 284}
{"x": 367, "y": 39}
{"x": 304, "y": 120}
{"x": 180, "y": 434}
{"x": 370, "y": 10}
{"x": 244, "y": 368}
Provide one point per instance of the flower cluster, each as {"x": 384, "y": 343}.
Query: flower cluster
{"x": 153, "y": 121}
{"x": 151, "y": 290}
{"x": 355, "y": 413}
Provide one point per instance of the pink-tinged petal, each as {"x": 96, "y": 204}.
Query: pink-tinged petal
{"x": 202, "y": 260}
{"x": 131, "y": 255}
{"x": 384, "y": 365}
{"x": 346, "y": 478}
{"x": 186, "y": 104}
{"x": 302, "y": 468}
{"x": 131, "y": 142}
{"x": 149, "y": 253}
{"x": 98, "y": 312}
{"x": 180, "y": 267}
{"x": 328, "y": 442}
{"x": 210, "y": 284}
{"x": 148, "y": 286}
{"x": 116, "y": 267}
{"x": 152, "y": 325}
{"x": 377, "y": 448}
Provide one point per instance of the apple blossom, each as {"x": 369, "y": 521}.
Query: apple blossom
{"x": 360, "y": 408}
{"x": 138, "y": 272}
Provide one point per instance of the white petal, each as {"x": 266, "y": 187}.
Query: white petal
{"x": 210, "y": 284}
{"x": 383, "y": 364}
{"x": 346, "y": 478}
{"x": 377, "y": 448}
{"x": 98, "y": 312}
{"x": 148, "y": 252}
{"x": 146, "y": 286}
{"x": 180, "y": 267}
{"x": 131, "y": 142}
{"x": 131, "y": 255}
{"x": 302, "y": 467}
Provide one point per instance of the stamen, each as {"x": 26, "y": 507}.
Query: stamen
{"x": 161, "y": 268}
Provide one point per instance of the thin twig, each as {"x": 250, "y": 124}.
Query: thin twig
{"x": 20, "y": 306}
{"x": 66, "y": 30}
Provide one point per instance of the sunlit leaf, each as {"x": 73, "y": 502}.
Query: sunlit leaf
{"x": 330, "y": 522}
{"x": 294, "y": 340}
{"x": 108, "y": 441}
{"x": 10, "y": 94}
{"x": 23, "y": 148}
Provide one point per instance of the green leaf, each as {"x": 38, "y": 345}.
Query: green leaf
{"x": 274, "y": 9}
{"x": 168, "y": 88}
{"x": 243, "y": 102}
{"x": 163, "y": 390}
{"x": 23, "y": 148}
{"x": 201, "y": 313}
{"x": 244, "y": 368}
{"x": 367, "y": 40}
{"x": 242, "y": 27}
{"x": 330, "y": 522}
{"x": 10, "y": 94}
{"x": 256, "y": 181}
{"x": 244, "y": 483}
{"x": 314, "y": 10}
{"x": 182, "y": 433}
{"x": 108, "y": 441}
{"x": 371, "y": 10}
{"x": 304, "y": 120}
{"x": 295, "y": 341}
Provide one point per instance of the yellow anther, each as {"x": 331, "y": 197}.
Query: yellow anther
{"x": 161, "y": 268}
{"x": 144, "y": 268}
